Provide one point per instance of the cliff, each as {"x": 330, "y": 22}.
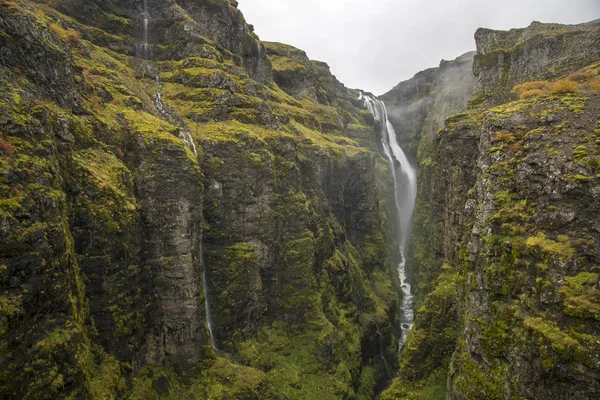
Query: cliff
{"x": 505, "y": 245}
{"x": 189, "y": 212}
{"x": 182, "y": 213}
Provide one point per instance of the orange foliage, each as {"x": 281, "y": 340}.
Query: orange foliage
{"x": 11, "y": 4}
{"x": 579, "y": 77}
{"x": 562, "y": 86}
{"x": 531, "y": 89}
{"x": 594, "y": 84}
{"x": 531, "y": 93}
{"x": 7, "y": 147}
{"x": 504, "y": 136}
{"x": 119, "y": 153}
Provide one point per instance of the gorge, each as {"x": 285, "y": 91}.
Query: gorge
{"x": 188, "y": 212}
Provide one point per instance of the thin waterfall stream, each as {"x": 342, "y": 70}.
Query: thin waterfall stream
{"x": 184, "y": 135}
{"x": 144, "y": 52}
{"x": 209, "y": 323}
{"x": 405, "y": 191}
{"x": 146, "y": 21}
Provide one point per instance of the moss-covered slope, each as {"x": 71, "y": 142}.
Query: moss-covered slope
{"x": 505, "y": 229}
{"x": 130, "y": 174}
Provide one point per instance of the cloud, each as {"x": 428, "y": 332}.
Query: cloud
{"x": 375, "y": 44}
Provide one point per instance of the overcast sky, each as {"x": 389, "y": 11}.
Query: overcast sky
{"x": 374, "y": 44}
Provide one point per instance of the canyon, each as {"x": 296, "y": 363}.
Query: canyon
{"x": 188, "y": 212}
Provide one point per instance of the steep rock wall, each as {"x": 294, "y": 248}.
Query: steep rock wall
{"x": 501, "y": 243}
{"x": 130, "y": 174}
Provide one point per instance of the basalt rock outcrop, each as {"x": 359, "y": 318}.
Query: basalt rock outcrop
{"x": 176, "y": 220}
{"x": 505, "y": 244}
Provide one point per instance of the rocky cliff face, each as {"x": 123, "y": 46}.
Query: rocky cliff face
{"x": 144, "y": 171}
{"x": 187, "y": 212}
{"x": 505, "y": 244}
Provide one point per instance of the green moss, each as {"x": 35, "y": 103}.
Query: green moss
{"x": 294, "y": 371}
{"x": 105, "y": 170}
{"x": 103, "y": 375}
{"x": 510, "y": 209}
{"x": 476, "y": 381}
{"x": 580, "y": 152}
{"x": 281, "y": 64}
{"x": 553, "y": 153}
{"x": 477, "y": 99}
{"x": 534, "y": 133}
{"x": 468, "y": 119}
{"x": 574, "y": 102}
{"x": 433, "y": 388}
{"x": 226, "y": 380}
{"x": 581, "y": 297}
{"x": 507, "y": 110}
{"x": 9, "y": 206}
{"x": 10, "y": 306}
{"x": 560, "y": 341}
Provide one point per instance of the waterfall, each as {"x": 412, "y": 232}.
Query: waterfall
{"x": 144, "y": 47}
{"x": 184, "y": 135}
{"x": 207, "y": 306}
{"x": 405, "y": 185}
{"x": 189, "y": 142}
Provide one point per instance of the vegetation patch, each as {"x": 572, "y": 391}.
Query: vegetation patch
{"x": 69, "y": 36}
{"x": 561, "y": 248}
{"x": 581, "y": 295}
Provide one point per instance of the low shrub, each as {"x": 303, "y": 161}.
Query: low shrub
{"x": 532, "y": 93}
{"x": 579, "y": 77}
{"x": 562, "y": 86}
{"x": 594, "y": 83}
{"x": 532, "y": 89}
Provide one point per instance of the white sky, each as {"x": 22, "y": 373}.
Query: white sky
{"x": 374, "y": 44}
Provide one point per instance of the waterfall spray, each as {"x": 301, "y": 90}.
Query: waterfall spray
{"x": 405, "y": 185}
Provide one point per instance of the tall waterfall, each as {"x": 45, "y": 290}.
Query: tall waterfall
{"x": 405, "y": 185}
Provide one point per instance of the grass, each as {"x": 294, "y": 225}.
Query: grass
{"x": 69, "y": 36}
{"x": 541, "y": 88}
